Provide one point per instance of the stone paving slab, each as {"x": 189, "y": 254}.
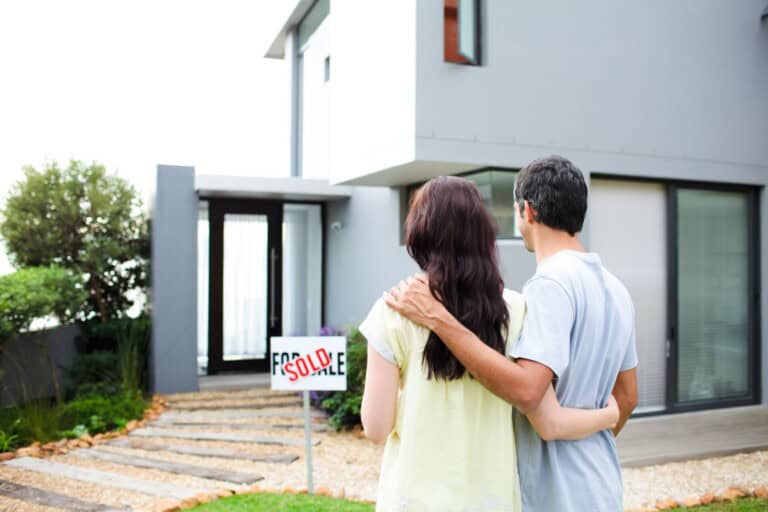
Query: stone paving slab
{"x": 230, "y": 395}
{"x": 45, "y": 498}
{"x": 215, "y": 405}
{"x": 239, "y": 414}
{"x": 220, "y": 436}
{"x": 101, "y": 477}
{"x": 202, "y": 451}
{"x": 170, "y": 467}
{"x": 236, "y": 426}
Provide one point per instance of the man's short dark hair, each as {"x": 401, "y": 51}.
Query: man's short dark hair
{"x": 556, "y": 190}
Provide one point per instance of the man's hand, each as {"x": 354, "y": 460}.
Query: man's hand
{"x": 413, "y": 299}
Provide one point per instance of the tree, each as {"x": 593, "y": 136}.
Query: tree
{"x": 83, "y": 219}
{"x": 36, "y": 293}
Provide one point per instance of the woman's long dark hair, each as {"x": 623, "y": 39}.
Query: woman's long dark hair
{"x": 452, "y": 237}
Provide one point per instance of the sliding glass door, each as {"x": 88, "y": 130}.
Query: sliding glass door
{"x": 713, "y": 296}
{"x": 688, "y": 254}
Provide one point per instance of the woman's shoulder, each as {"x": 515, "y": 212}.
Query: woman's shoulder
{"x": 515, "y": 299}
{"x": 391, "y": 318}
{"x": 516, "y": 304}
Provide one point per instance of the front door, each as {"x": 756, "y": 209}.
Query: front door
{"x": 245, "y": 283}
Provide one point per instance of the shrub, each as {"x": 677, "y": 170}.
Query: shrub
{"x": 112, "y": 357}
{"x": 133, "y": 354}
{"x": 344, "y": 406}
{"x": 94, "y": 374}
{"x": 8, "y": 441}
{"x": 101, "y": 413}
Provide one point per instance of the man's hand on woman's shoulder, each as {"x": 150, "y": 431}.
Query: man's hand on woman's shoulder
{"x": 413, "y": 299}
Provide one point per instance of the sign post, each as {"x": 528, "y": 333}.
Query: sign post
{"x": 317, "y": 363}
{"x": 308, "y": 439}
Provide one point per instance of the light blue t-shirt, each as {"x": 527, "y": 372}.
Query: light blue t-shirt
{"x": 580, "y": 323}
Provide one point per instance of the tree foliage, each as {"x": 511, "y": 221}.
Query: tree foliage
{"x": 84, "y": 219}
{"x": 37, "y": 292}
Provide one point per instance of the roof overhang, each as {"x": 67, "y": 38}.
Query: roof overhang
{"x": 277, "y": 48}
{"x": 408, "y": 173}
{"x": 290, "y": 189}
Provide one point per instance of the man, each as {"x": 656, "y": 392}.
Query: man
{"x": 578, "y": 335}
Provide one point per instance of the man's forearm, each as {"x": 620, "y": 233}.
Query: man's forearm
{"x": 625, "y": 411}
{"x": 505, "y": 378}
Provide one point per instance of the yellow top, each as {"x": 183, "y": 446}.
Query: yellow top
{"x": 452, "y": 448}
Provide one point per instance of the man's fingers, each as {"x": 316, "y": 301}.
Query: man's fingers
{"x": 391, "y": 301}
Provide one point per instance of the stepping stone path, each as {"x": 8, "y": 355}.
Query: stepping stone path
{"x": 230, "y": 439}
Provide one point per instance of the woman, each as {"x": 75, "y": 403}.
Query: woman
{"x": 449, "y": 441}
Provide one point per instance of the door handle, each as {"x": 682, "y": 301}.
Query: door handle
{"x": 273, "y": 318}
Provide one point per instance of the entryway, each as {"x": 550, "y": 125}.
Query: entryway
{"x": 259, "y": 275}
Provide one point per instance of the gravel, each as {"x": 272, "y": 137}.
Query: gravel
{"x": 643, "y": 487}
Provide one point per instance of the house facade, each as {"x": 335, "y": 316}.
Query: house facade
{"x": 662, "y": 106}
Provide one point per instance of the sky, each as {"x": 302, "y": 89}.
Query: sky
{"x": 131, "y": 84}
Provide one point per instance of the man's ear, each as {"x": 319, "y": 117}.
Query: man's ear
{"x": 529, "y": 214}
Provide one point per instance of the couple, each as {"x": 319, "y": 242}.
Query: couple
{"x": 471, "y": 384}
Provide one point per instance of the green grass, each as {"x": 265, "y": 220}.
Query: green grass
{"x": 263, "y": 502}
{"x": 303, "y": 502}
{"x": 745, "y": 505}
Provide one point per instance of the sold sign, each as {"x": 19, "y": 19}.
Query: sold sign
{"x": 317, "y": 363}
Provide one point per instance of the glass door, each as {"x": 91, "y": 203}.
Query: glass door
{"x": 713, "y": 297}
{"x": 245, "y": 253}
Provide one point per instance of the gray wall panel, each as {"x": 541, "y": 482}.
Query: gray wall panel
{"x": 365, "y": 257}
{"x": 173, "y": 353}
{"x": 27, "y": 373}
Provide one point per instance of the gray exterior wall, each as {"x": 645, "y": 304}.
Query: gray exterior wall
{"x": 173, "y": 351}
{"x": 27, "y": 371}
{"x": 366, "y": 257}
{"x": 675, "y": 88}
{"x": 764, "y": 290}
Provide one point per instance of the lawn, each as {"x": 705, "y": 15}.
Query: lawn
{"x": 263, "y": 502}
{"x": 746, "y": 505}
{"x": 303, "y": 502}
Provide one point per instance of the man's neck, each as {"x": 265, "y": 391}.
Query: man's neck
{"x": 551, "y": 241}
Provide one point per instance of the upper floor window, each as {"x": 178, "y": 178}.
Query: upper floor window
{"x": 461, "y": 31}
{"x": 497, "y": 188}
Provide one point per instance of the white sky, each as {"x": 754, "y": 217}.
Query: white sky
{"x": 131, "y": 84}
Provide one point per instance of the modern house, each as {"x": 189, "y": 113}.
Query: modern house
{"x": 663, "y": 106}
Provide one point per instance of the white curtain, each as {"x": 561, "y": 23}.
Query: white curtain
{"x": 245, "y": 286}
{"x": 202, "y": 288}
{"x": 302, "y": 269}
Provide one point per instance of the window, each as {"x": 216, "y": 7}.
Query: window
{"x": 461, "y": 31}
{"x": 306, "y": 27}
{"x": 497, "y": 188}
